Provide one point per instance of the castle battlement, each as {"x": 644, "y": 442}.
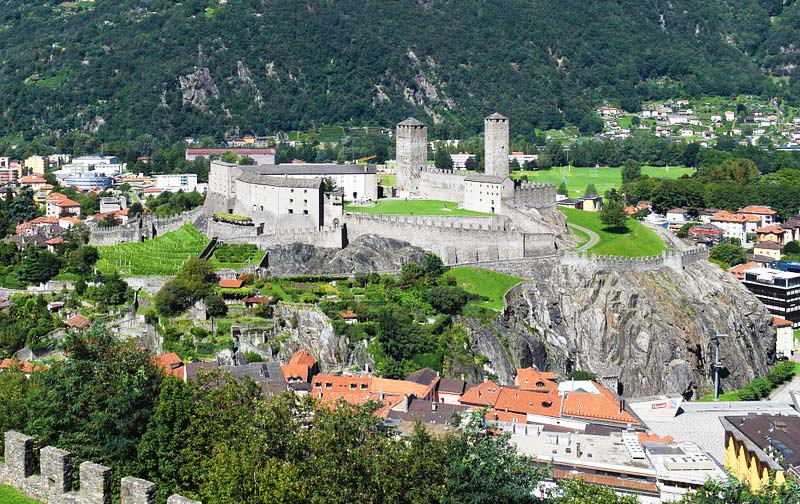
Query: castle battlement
{"x": 468, "y": 223}
{"x": 437, "y": 171}
{"x": 677, "y": 260}
{"x": 535, "y": 195}
{"x": 54, "y": 483}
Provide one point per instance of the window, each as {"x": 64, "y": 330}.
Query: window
{"x": 305, "y": 202}
{"x": 291, "y": 211}
{"x": 305, "y": 212}
{"x": 291, "y": 200}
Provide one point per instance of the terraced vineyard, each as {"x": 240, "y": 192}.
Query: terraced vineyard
{"x": 163, "y": 255}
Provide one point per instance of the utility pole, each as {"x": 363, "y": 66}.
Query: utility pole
{"x": 717, "y": 364}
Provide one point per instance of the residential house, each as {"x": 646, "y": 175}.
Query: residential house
{"x": 706, "y": 234}
{"x": 36, "y": 165}
{"x": 301, "y": 368}
{"x": 27, "y": 368}
{"x": 108, "y": 204}
{"x": 57, "y": 205}
{"x": 739, "y": 270}
{"x": 766, "y": 215}
{"x": 736, "y": 225}
{"x": 769, "y": 249}
{"x": 784, "y": 337}
{"x": 774, "y": 234}
{"x": 34, "y": 182}
{"x": 78, "y": 321}
{"x": 676, "y": 215}
{"x": 349, "y": 317}
{"x": 729, "y": 116}
{"x": 450, "y": 390}
{"x": 591, "y": 203}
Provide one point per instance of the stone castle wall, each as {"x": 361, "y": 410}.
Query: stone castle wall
{"x": 327, "y": 236}
{"x": 495, "y": 142}
{"x": 677, "y": 260}
{"x": 412, "y": 153}
{"x": 535, "y": 195}
{"x": 145, "y": 227}
{"x": 453, "y": 239}
{"x": 439, "y": 184}
{"x": 54, "y": 484}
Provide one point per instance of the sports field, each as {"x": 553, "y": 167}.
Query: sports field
{"x": 163, "y": 255}
{"x": 603, "y": 178}
{"x": 487, "y": 283}
{"x": 414, "y": 207}
{"x": 639, "y": 241}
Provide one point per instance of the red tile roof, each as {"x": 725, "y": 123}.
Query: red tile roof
{"x": 484, "y": 394}
{"x": 234, "y": 283}
{"x": 201, "y": 152}
{"x": 55, "y": 241}
{"x": 603, "y": 406}
{"x": 770, "y": 229}
{"x": 67, "y": 203}
{"x": 725, "y": 216}
{"x": 758, "y": 210}
{"x": 348, "y": 315}
{"x": 171, "y": 363}
{"x": 32, "y": 179}
{"x": 256, "y": 299}
{"x": 781, "y": 322}
{"x": 367, "y": 383}
{"x": 25, "y": 367}
{"x": 78, "y": 321}
{"x": 532, "y": 379}
{"x": 528, "y": 402}
{"x": 300, "y": 366}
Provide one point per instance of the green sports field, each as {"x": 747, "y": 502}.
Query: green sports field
{"x": 414, "y": 207}
{"x": 10, "y": 496}
{"x": 487, "y": 283}
{"x": 639, "y": 241}
{"x": 603, "y": 178}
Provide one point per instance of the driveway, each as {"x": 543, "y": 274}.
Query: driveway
{"x": 594, "y": 238}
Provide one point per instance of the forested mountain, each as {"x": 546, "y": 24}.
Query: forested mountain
{"x": 126, "y": 68}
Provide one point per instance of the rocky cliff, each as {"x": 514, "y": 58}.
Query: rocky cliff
{"x": 366, "y": 253}
{"x": 652, "y": 330}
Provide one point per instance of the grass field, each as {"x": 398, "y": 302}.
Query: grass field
{"x": 639, "y": 241}
{"x": 388, "y": 179}
{"x": 163, "y": 255}
{"x": 487, "y": 283}
{"x": 10, "y": 496}
{"x": 603, "y": 178}
{"x": 414, "y": 207}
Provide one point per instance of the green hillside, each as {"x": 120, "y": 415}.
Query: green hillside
{"x": 156, "y": 69}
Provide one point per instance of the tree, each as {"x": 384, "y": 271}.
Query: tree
{"x": 471, "y": 164}
{"x": 215, "y": 306}
{"x": 562, "y": 189}
{"x": 727, "y": 255}
{"x": 514, "y": 165}
{"x": 631, "y": 170}
{"x": 82, "y": 259}
{"x": 591, "y": 189}
{"x": 690, "y": 154}
{"x": 486, "y": 468}
{"x": 442, "y": 159}
{"x": 613, "y": 216}
{"x": 577, "y": 491}
{"x": 448, "y": 299}
{"x": 230, "y": 157}
{"x": 246, "y": 160}
{"x": 135, "y": 210}
{"x": 39, "y": 266}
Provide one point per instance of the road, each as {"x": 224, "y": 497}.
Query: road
{"x": 594, "y": 238}
{"x": 781, "y": 394}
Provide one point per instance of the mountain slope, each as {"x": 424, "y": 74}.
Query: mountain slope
{"x": 129, "y": 67}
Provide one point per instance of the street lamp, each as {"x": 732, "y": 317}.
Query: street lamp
{"x": 717, "y": 363}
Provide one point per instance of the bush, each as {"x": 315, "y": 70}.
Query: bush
{"x": 756, "y": 390}
{"x": 781, "y": 372}
{"x": 251, "y": 356}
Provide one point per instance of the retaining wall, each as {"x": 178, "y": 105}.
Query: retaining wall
{"x": 54, "y": 482}
{"x": 145, "y": 227}
{"x": 677, "y": 260}
{"x": 328, "y": 236}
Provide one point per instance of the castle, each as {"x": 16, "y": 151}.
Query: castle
{"x": 283, "y": 204}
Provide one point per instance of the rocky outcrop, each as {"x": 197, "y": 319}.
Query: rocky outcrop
{"x": 303, "y": 326}
{"x": 651, "y": 329}
{"x": 366, "y": 253}
{"x": 197, "y": 88}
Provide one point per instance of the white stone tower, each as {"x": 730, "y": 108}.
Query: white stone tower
{"x": 412, "y": 152}
{"x": 495, "y": 145}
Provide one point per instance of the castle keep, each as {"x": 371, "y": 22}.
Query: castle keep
{"x": 288, "y": 203}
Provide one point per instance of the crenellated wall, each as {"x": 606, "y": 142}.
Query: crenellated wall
{"x": 142, "y": 228}
{"x": 677, "y": 260}
{"x": 327, "y": 236}
{"x": 439, "y": 184}
{"x": 54, "y": 484}
{"x": 535, "y": 195}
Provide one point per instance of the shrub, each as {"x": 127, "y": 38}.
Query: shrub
{"x": 781, "y": 372}
{"x": 755, "y": 390}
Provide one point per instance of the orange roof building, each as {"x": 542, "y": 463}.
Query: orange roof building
{"x": 757, "y": 210}
{"x": 231, "y": 283}
{"x": 531, "y": 378}
{"x": 602, "y": 407}
{"x": 374, "y": 385}
{"x": 301, "y": 367}
{"x": 481, "y": 395}
{"x": 26, "y": 367}
{"x": 739, "y": 270}
{"x": 78, "y": 321}
{"x": 171, "y": 363}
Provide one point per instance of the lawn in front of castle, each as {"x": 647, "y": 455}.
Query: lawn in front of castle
{"x": 490, "y": 284}
{"x": 603, "y": 178}
{"x": 8, "y": 495}
{"x": 414, "y": 207}
{"x": 639, "y": 241}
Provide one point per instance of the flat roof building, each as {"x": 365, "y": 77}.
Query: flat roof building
{"x": 778, "y": 290}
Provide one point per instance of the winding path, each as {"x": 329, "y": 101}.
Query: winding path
{"x": 594, "y": 238}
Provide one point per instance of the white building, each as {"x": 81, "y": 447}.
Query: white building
{"x": 485, "y": 193}
{"x": 676, "y": 215}
{"x": 358, "y": 182}
{"x": 522, "y": 158}
{"x": 108, "y": 204}
{"x": 460, "y": 160}
{"x": 174, "y": 182}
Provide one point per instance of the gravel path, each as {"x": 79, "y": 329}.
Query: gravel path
{"x": 594, "y": 238}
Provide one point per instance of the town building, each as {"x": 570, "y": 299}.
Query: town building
{"x": 174, "y": 182}
{"x": 110, "y": 205}
{"x": 766, "y": 215}
{"x": 34, "y": 182}
{"x": 736, "y": 226}
{"x": 591, "y": 203}
{"x": 779, "y": 291}
{"x": 760, "y": 449}
{"x": 36, "y": 165}
{"x": 260, "y": 156}
{"x": 87, "y": 180}
{"x": 676, "y": 215}
{"x": 8, "y": 175}
{"x": 460, "y": 160}
{"x": 706, "y": 234}
{"x": 58, "y": 205}
{"x": 784, "y": 337}
{"x": 769, "y": 249}
{"x": 485, "y": 193}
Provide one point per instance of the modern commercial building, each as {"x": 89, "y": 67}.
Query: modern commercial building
{"x": 88, "y": 180}
{"x": 174, "y": 182}
{"x": 778, "y": 290}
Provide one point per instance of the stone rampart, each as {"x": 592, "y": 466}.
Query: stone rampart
{"x": 454, "y": 240}
{"x": 327, "y": 236}
{"x": 535, "y": 195}
{"x": 145, "y": 227}
{"x": 677, "y": 260}
{"x": 440, "y": 184}
{"x": 54, "y": 483}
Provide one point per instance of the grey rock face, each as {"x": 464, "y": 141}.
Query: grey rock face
{"x": 366, "y": 253}
{"x": 651, "y": 329}
{"x": 197, "y": 88}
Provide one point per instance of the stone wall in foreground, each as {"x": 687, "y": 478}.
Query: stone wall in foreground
{"x": 54, "y": 484}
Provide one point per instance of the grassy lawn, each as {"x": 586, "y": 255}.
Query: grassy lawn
{"x": 603, "y": 178}
{"x": 487, "y": 283}
{"x": 724, "y": 397}
{"x": 580, "y": 234}
{"x": 388, "y": 179}
{"x": 10, "y": 496}
{"x": 163, "y": 255}
{"x": 639, "y": 241}
{"x": 414, "y": 207}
